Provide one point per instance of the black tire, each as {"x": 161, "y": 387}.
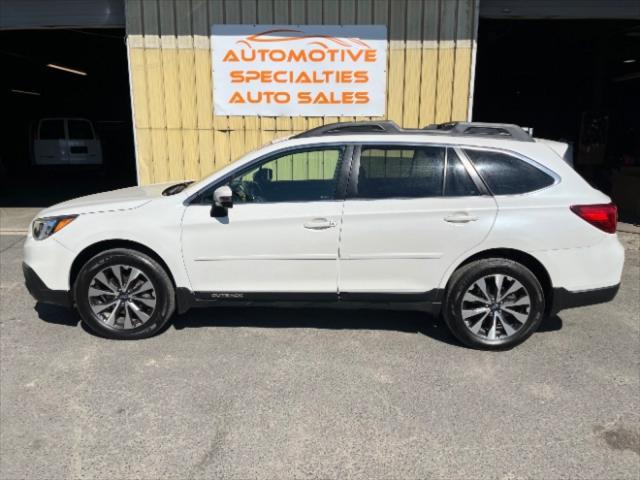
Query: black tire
{"x": 463, "y": 279}
{"x": 163, "y": 295}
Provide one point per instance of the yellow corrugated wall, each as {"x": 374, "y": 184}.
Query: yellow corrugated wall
{"x": 178, "y": 136}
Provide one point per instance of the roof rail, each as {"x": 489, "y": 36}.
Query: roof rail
{"x": 506, "y": 130}
{"x": 383, "y": 126}
{"x": 474, "y": 129}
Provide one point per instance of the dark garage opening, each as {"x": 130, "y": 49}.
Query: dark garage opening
{"x": 576, "y": 81}
{"x": 64, "y": 74}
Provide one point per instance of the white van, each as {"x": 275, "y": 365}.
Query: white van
{"x": 66, "y": 141}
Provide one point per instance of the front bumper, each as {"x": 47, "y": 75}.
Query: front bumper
{"x": 41, "y": 292}
{"x": 563, "y": 298}
{"x": 51, "y": 260}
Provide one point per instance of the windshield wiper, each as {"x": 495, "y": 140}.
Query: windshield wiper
{"x": 177, "y": 188}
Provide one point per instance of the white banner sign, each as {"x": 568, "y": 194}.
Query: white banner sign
{"x": 299, "y": 70}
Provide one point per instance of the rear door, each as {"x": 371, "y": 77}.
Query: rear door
{"x": 83, "y": 146}
{"x": 411, "y": 211}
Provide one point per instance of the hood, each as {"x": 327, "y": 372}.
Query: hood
{"x": 123, "y": 199}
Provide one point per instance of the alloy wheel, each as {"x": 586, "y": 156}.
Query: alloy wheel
{"x": 496, "y": 306}
{"x": 122, "y": 297}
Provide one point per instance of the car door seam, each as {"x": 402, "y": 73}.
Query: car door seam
{"x": 344, "y": 200}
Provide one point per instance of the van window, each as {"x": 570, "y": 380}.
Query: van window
{"x": 400, "y": 172}
{"x": 51, "y": 130}
{"x": 80, "y": 130}
{"x": 505, "y": 174}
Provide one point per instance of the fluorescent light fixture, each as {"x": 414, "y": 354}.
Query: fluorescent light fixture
{"x": 67, "y": 69}
{"x": 629, "y": 60}
{"x": 24, "y": 92}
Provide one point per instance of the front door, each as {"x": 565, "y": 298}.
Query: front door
{"x": 281, "y": 234}
{"x": 412, "y": 212}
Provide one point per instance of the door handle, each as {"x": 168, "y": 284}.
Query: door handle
{"x": 319, "y": 224}
{"x": 460, "y": 218}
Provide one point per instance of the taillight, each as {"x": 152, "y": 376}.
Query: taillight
{"x": 603, "y": 216}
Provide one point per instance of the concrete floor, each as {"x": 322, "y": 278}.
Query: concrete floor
{"x": 261, "y": 393}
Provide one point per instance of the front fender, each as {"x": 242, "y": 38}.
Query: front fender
{"x": 156, "y": 227}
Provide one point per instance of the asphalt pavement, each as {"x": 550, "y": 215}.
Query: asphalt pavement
{"x": 267, "y": 393}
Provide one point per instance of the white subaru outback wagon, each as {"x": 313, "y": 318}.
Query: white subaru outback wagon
{"x": 480, "y": 223}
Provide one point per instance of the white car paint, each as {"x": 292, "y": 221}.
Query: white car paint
{"x": 399, "y": 246}
{"x": 563, "y": 149}
{"x": 123, "y": 199}
{"x": 262, "y": 248}
{"x": 393, "y": 245}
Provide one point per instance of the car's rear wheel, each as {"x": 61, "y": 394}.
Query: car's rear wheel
{"x": 124, "y": 294}
{"x": 493, "y": 304}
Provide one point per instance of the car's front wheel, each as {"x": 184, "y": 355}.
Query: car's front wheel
{"x": 493, "y": 304}
{"x": 124, "y": 294}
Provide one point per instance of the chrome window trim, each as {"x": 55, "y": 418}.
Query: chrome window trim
{"x": 355, "y": 158}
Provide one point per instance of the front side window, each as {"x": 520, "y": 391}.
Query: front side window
{"x": 300, "y": 176}
{"x": 400, "y": 172}
{"x": 505, "y": 174}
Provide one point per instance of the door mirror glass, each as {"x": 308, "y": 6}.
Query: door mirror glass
{"x": 223, "y": 197}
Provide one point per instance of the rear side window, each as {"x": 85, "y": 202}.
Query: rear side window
{"x": 80, "y": 130}
{"x": 51, "y": 129}
{"x": 400, "y": 172}
{"x": 505, "y": 174}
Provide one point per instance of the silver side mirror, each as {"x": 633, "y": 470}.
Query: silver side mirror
{"x": 223, "y": 197}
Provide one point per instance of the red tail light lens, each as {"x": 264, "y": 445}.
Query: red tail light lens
{"x": 604, "y": 216}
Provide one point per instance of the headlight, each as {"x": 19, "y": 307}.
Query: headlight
{"x": 45, "y": 227}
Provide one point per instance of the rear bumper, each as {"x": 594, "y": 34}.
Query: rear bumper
{"x": 563, "y": 298}
{"x": 41, "y": 292}
{"x": 584, "y": 268}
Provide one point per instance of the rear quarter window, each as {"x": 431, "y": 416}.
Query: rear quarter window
{"x": 506, "y": 174}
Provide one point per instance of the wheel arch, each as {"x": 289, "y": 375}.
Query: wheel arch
{"x": 94, "y": 249}
{"x": 526, "y": 259}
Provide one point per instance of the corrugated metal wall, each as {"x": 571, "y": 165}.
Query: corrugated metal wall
{"x": 24, "y": 14}
{"x": 179, "y": 136}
